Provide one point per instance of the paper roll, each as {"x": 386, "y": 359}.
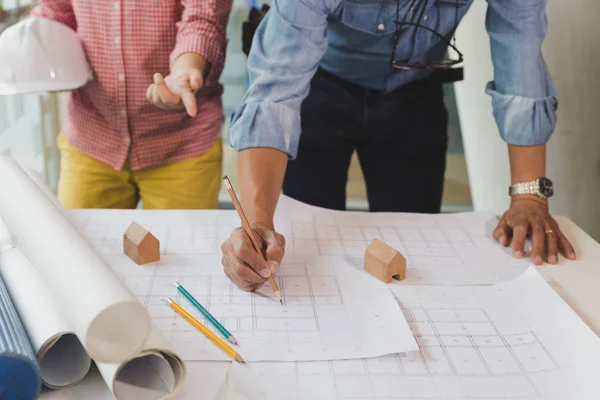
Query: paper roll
{"x": 62, "y": 359}
{"x": 37, "y": 179}
{"x": 155, "y": 373}
{"x": 19, "y": 371}
{"x": 108, "y": 319}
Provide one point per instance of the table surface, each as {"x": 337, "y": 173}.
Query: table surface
{"x": 578, "y": 282}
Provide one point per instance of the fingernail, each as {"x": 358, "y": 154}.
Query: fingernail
{"x": 518, "y": 254}
{"x": 265, "y": 272}
{"x": 502, "y": 240}
{"x": 273, "y": 265}
{"x": 572, "y": 256}
{"x": 538, "y": 260}
{"x": 552, "y": 259}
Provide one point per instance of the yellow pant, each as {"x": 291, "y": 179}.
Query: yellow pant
{"x": 189, "y": 184}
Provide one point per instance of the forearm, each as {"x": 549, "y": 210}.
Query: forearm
{"x": 202, "y": 30}
{"x": 527, "y": 163}
{"x": 261, "y": 172}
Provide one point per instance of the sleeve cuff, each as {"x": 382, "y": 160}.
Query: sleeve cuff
{"x": 523, "y": 121}
{"x": 59, "y": 13}
{"x": 210, "y": 48}
{"x": 265, "y": 125}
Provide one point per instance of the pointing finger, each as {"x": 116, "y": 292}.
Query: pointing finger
{"x": 189, "y": 101}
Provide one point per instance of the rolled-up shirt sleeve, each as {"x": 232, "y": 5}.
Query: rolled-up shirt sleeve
{"x": 203, "y": 30}
{"x": 56, "y": 10}
{"x": 285, "y": 55}
{"x": 523, "y": 95}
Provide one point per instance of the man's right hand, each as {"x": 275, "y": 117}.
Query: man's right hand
{"x": 243, "y": 265}
{"x": 260, "y": 174}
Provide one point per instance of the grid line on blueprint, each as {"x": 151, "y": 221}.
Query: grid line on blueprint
{"x": 452, "y": 363}
{"x": 437, "y": 250}
{"x": 315, "y": 314}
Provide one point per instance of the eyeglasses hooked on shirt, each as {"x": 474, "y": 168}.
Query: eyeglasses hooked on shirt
{"x": 446, "y": 63}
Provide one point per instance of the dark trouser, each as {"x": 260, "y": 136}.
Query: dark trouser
{"x": 400, "y": 138}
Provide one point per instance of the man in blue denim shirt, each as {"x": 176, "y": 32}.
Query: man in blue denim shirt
{"x": 323, "y": 84}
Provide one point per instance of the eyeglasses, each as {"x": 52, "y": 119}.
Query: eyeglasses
{"x": 442, "y": 64}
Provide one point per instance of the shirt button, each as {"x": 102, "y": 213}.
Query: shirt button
{"x": 381, "y": 27}
{"x": 117, "y": 4}
{"x": 117, "y": 40}
{"x": 121, "y": 77}
{"x": 127, "y": 140}
{"x": 123, "y": 112}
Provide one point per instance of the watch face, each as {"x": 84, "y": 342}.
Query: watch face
{"x": 546, "y": 187}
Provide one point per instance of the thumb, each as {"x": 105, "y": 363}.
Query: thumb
{"x": 275, "y": 250}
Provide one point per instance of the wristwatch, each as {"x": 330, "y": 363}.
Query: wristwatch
{"x": 541, "y": 187}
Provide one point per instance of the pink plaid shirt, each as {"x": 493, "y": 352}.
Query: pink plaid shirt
{"x": 126, "y": 42}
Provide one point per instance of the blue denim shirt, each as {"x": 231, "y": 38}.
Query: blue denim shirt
{"x": 353, "y": 40}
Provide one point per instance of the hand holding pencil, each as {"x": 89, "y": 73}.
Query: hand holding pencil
{"x": 252, "y": 255}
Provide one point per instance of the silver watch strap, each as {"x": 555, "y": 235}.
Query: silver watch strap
{"x": 531, "y": 187}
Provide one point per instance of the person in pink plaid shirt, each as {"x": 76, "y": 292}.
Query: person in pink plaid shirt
{"x": 148, "y": 125}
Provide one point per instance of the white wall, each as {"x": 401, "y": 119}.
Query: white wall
{"x": 572, "y": 51}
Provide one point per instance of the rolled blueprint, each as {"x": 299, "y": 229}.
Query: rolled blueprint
{"x": 62, "y": 359}
{"x": 155, "y": 373}
{"x": 107, "y": 318}
{"x": 46, "y": 190}
{"x": 19, "y": 371}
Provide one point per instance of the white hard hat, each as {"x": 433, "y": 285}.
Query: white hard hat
{"x": 41, "y": 55}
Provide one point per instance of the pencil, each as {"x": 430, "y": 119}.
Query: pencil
{"x": 205, "y": 312}
{"x": 249, "y": 232}
{"x": 224, "y": 346}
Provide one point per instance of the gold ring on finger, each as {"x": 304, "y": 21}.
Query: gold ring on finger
{"x": 548, "y": 231}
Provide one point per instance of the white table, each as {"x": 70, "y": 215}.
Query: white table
{"x": 578, "y": 282}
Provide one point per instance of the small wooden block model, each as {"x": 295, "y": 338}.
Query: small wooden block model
{"x": 384, "y": 262}
{"x": 140, "y": 245}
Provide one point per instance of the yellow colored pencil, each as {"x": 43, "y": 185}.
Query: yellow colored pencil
{"x": 207, "y": 332}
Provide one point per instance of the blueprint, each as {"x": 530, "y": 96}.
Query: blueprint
{"x": 440, "y": 249}
{"x": 512, "y": 341}
{"x": 331, "y": 310}
{"x": 485, "y": 333}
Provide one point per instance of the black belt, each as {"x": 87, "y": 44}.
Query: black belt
{"x": 449, "y": 75}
